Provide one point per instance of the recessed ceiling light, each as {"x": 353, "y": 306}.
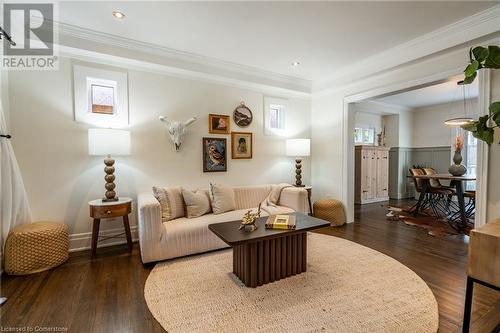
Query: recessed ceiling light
{"x": 295, "y": 63}
{"x": 118, "y": 15}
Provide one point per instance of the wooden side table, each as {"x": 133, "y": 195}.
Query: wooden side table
{"x": 102, "y": 210}
{"x": 483, "y": 263}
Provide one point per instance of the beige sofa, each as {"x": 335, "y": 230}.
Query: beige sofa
{"x": 180, "y": 237}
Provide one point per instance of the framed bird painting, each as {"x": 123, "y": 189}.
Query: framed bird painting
{"x": 214, "y": 154}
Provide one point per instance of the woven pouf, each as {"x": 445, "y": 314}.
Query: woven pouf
{"x": 330, "y": 210}
{"x": 36, "y": 247}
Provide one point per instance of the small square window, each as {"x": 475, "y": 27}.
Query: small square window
{"x": 275, "y": 110}
{"x": 364, "y": 135}
{"x": 277, "y": 116}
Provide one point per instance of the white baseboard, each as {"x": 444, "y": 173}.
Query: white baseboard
{"x": 83, "y": 241}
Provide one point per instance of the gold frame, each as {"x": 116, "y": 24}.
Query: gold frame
{"x": 233, "y": 148}
{"x": 216, "y": 131}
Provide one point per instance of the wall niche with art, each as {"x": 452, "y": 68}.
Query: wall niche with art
{"x": 100, "y": 96}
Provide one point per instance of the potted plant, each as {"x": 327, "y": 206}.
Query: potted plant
{"x": 483, "y": 57}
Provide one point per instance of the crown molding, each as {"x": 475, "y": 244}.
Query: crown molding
{"x": 187, "y": 61}
{"x": 381, "y": 108}
{"x": 134, "y": 64}
{"x": 460, "y": 32}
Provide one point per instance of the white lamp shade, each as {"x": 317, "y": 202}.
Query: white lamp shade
{"x": 298, "y": 147}
{"x": 109, "y": 142}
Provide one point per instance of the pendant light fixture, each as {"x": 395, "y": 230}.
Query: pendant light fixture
{"x": 459, "y": 121}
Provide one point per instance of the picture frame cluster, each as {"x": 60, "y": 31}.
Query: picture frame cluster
{"x": 215, "y": 148}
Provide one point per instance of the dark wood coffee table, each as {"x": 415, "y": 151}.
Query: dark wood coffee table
{"x": 267, "y": 255}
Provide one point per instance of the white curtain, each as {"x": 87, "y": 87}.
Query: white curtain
{"x": 14, "y": 206}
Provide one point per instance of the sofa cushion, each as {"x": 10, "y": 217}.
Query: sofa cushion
{"x": 171, "y": 202}
{"x": 250, "y": 196}
{"x": 183, "y": 225}
{"x": 222, "y": 197}
{"x": 197, "y": 203}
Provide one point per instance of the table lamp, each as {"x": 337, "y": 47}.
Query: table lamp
{"x": 107, "y": 142}
{"x": 298, "y": 148}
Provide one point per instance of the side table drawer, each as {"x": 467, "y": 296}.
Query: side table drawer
{"x": 108, "y": 211}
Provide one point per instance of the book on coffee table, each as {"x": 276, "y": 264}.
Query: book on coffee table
{"x": 286, "y": 222}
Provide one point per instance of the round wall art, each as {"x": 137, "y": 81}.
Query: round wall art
{"x": 242, "y": 115}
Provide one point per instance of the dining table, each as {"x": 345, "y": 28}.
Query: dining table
{"x": 455, "y": 181}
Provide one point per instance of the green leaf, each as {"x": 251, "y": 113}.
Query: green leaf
{"x": 482, "y": 124}
{"x": 471, "y": 127}
{"x": 472, "y": 68}
{"x": 495, "y": 107}
{"x": 493, "y": 59}
{"x": 482, "y": 131}
{"x": 486, "y": 136}
{"x": 480, "y": 53}
{"x": 496, "y": 119}
{"x": 470, "y": 79}
{"x": 495, "y": 112}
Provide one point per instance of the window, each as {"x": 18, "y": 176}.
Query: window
{"x": 364, "y": 135}
{"x": 358, "y": 135}
{"x": 275, "y": 110}
{"x": 277, "y": 116}
{"x": 100, "y": 97}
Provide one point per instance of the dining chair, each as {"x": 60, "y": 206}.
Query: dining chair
{"x": 446, "y": 192}
{"x": 437, "y": 197}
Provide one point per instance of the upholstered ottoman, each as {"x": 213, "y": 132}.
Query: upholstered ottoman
{"x": 330, "y": 210}
{"x": 36, "y": 247}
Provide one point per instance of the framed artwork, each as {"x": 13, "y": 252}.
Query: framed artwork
{"x": 219, "y": 124}
{"x": 214, "y": 155}
{"x": 241, "y": 145}
{"x": 242, "y": 115}
{"x": 101, "y": 97}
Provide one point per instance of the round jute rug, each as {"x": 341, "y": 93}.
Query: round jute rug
{"x": 347, "y": 288}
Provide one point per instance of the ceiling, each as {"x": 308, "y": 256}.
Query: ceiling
{"x": 322, "y": 36}
{"x": 433, "y": 95}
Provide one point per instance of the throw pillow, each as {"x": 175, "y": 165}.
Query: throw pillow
{"x": 171, "y": 202}
{"x": 197, "y": 203}
{"x": 223, "y": 199}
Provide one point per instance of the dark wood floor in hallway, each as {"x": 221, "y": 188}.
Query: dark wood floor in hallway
{"x": 106, "y": 294}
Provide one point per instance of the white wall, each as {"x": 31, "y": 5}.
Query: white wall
{"x": 368, "y": 120}
{"x": 391, "y": 124}
{"x": 61, "y": 178}
{"x": 428, "y": 123}
{"x": 406, "y": 129}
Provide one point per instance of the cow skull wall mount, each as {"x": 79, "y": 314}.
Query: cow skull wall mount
{"x": 177, "y": 130}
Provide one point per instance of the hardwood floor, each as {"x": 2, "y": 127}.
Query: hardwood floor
{"x": 106, "y": 294}
{"x": 440, "y": 262}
